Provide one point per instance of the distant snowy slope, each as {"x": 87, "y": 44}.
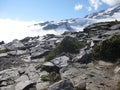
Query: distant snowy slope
{"x": 113, "y": 12}
{"x": 71, "y": 25}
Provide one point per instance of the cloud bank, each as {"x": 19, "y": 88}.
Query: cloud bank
{"x": 14, "y": 29}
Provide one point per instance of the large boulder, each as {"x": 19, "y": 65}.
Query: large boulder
{"x": 14, "y": 45}
{"x": 38, "y": 52}
{"x": 62, "y": 85}
{"x": 60, "y": 61}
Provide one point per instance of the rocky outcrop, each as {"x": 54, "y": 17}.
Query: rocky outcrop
{"x": 23, "y": 65}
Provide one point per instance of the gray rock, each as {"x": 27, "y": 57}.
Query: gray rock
{"x": 26, "y": 58}
{"x": 23, "y": 84}
{"x": 82, "y": 57}
{"x": 9, "y": 87}
{"x": 42, "y": 86}
{"x": 79, "y": 84}
{"x": 14, "y": 45}
{"x": 69, "y": 72}
{"x": 4, "y": 55}
{"x": 60, "y": 61}
{"x": 62, "y": 85}
{"x": 8, "y": 74}
{"x": 21, "y": 71}
{"x": 39, "y": 54}
{"x": 22, "y": 78}
{"x": 114, "y": 27}
{"x": 2, "y": 47}
{"x": 17, "y": 52}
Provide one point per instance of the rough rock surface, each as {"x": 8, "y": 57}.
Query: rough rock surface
{"x": 23, "y": 65}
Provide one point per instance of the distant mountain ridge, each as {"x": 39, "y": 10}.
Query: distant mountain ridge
{"x": 78, "y": 24}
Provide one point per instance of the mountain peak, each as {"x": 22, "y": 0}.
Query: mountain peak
{"x": 111, "y": 12}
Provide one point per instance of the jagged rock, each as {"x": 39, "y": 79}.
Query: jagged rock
{"x": 62, "y": 85}
{"x": 83, "y": 57}
{"x": 60, "y": 61}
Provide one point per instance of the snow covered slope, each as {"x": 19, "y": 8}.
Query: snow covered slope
{"x": 113, "y": 12}
{"x": 71, "y": 25}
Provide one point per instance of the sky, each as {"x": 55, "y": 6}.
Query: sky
{"x": 44, "y": 10}
{"x": 17, "y": 15}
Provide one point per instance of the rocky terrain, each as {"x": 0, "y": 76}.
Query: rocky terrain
{"x": 28, "y": 64}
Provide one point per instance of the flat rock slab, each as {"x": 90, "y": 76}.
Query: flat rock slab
{"x": 23, "y": 84}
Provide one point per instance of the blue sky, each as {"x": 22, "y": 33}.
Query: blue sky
{"x": 28, "y": 10}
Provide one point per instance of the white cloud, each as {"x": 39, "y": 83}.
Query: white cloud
{"x": 111, "y": 2}
{"x": 78, "y": 7}
{"x": 89, "y": 8}
{"x": 14, "y": 29}
{"x": 95, "y": 4}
